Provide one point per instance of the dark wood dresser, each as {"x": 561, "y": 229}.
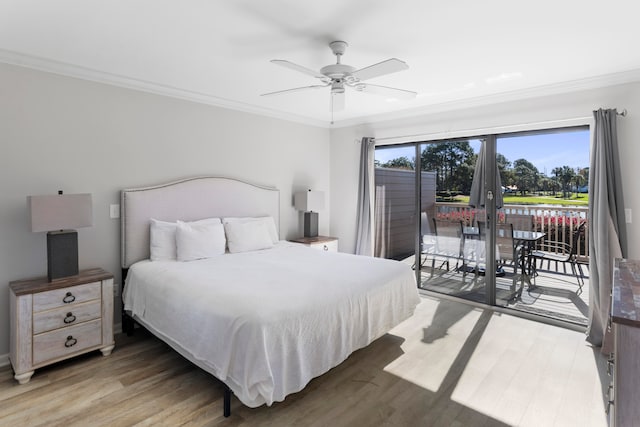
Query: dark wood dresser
{"x": 624, "y": 397}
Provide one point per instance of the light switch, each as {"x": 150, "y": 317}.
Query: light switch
{"x": 114, "y": 211}
{"x": 627, "y": 216}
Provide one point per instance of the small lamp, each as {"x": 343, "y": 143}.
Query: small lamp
{"x": 310, "y": 202}
{"x": 59, "y": 215}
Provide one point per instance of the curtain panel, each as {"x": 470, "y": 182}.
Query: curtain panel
{"x": 364, "y": 218}
{"x": 606, "y": 225}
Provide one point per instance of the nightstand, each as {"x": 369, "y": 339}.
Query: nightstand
{"x": 324, "y": 243}
{"x": 53, "y": 321}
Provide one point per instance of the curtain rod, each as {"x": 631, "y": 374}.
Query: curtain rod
{"x": 477, "y": 131}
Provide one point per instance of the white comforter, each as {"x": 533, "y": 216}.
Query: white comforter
{"x": 267, "y": 322}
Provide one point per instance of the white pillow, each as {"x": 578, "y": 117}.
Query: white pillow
{"x": 199, "y": 240}
{"x": 162, "y": 239}
{"x": 244, "y": 236}
{"x": 267, "y": 220}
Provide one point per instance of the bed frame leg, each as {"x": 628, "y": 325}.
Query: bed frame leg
{"x": 127, "y": 321}
{"x": 227, "y": 401}
{"x": 127, "y": 324}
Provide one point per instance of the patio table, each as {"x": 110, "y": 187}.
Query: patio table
{"x": 525, "y": 238}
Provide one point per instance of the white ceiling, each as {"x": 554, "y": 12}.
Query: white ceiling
{"x": 218, "y": 52}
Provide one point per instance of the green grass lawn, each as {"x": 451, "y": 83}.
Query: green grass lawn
{"x": 574, "y": 200}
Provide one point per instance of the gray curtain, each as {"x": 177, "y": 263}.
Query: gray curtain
{"x": 606, "y": 225}
{"x": 478, "y": 194}
{"x": 364, "y": 219}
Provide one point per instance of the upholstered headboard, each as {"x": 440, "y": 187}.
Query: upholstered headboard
{"x": 188, "y": 200}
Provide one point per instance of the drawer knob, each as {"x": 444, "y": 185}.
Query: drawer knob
{"x": 70, "y": 318}
{"x": 68, "y": 298}
{"x": 326, "y": 248}
{"x": 70, "y": 342}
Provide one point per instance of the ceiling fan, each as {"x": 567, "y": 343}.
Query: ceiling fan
{"x": 338, "y": 76}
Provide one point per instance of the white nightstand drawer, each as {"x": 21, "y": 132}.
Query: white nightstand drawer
{"x": 321, "y": 243}
{"x": 66, "y": 297}
{"x": 66, "y": 341}
{"x": 331, "y": 246}
{"x": 66, "y": 316}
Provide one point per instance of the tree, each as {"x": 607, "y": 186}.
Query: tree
{"x": 578, "y": 180}
{"x": 566, "y": 176}
{"x": 545, "y": 183}
{"x": 584, "y": 174}
{"x": 526, "y": 175}
{"x": 504, "y": 168}
{"x": 399, "y": 163}
{"x": 453, "y": 163}
{"x": 557, "y": 172}
{"x": 503, "y": 163}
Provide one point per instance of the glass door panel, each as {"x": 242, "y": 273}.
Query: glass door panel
{"x": 453, "y": 254}
{"x": 545, "y": 182}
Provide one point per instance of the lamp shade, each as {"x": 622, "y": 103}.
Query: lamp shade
{"x": 60, "y": 211}
{"x": 309, "y": 201}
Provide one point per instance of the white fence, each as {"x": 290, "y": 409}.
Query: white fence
{"x": 558, "y": 222}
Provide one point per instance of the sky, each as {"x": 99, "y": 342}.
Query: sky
{"x": 545, "y": 151}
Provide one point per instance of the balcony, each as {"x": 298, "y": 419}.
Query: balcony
{"x": 554, "y": 292}
{"x": 558, "y": 222}
{"x": 555, "y": 295}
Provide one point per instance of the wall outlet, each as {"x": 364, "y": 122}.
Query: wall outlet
{"x": 627, "y": 216}
{"x": 116, "y": 290}
{"x": 114, "y": 211}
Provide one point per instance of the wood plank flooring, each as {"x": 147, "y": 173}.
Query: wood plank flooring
{"x": 448, "y": 365}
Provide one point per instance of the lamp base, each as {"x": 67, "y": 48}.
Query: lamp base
{"x": 62, "y": 254}
{"x": 310, "y": 224}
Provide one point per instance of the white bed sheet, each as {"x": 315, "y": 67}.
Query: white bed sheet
{"x": 267, "y": 322}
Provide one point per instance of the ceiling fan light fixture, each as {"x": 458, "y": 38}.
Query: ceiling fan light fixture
{"x": 337, "y": 87}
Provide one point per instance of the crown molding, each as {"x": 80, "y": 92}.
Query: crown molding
{"x": 84, "y": 73}
{"x": 79, "y": 72}
{"x": 590, "y": 83}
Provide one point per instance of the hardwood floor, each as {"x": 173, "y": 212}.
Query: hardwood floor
{"x": 448, "y": 365}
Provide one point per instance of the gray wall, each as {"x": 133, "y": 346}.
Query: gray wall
{"x": 63, "y": 133}
{"x": 533, "y": 113}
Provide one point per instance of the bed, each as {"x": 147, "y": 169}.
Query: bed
{"x": 263, "y": 321}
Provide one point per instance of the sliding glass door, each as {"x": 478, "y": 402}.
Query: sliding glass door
{"x": 455, "y": 252}
{"x": 423, "y": 217}
{"x": 484, "y": 219}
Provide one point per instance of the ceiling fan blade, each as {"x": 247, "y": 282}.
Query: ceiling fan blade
{"x": 389, "y": 66}
{"x": 300, "y": 68}
{"x": 337, "y": 101}
{"x": 391, "y": 92}
{"x": 295, "y": 89}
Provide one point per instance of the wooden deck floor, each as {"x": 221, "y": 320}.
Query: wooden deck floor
{"x": 556, "y": 294}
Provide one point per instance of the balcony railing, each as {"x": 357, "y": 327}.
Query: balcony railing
{"x": 558, "y": 222}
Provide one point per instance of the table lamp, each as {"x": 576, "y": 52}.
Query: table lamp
{"x": 309, "y": 202}
{"x": 59, "y": 215}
